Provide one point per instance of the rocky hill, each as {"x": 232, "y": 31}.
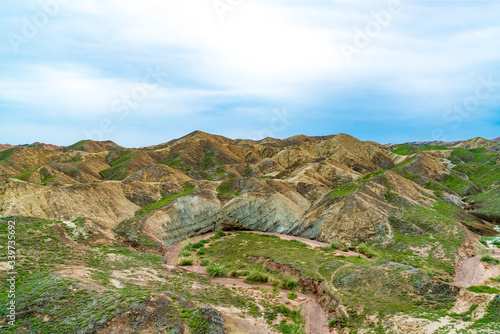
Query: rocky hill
{"x": 413, "y": 213}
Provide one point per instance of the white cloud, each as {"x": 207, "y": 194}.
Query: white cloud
{"x": 281, "y": 53}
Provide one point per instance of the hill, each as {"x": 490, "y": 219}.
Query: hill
{"x": 373, "y": 238}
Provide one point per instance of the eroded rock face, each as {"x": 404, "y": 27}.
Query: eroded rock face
{"x": 349, "y": 218}
{"x": 185, "y": 217}
{"x": 104, "y": 203}
{"x": 273, "y": 212}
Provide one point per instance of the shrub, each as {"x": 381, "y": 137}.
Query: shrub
{"x": 338, "y": 322}
{"x": 489, "y": 259}
{"x": 292, "y": 295}
{"x": 363, "y": 249}
{"x": 186, "y": 262}
{"x": 290, "y": 283}
{"x": 201, "y": 251}
{"x": 204, "y": 262}
{"x": 217, "y": 270}
{"x": 185, "y": 253}
{"x": 335, "y": 245}
{"x": 257, "y": 277}
{"x": 220, "y": 234}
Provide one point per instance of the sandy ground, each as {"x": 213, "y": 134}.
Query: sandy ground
{"x": 469, "y": 273}
{"x": 474, "y": 272}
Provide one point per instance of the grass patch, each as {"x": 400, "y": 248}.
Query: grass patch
{"x": 257, "y": 277}
{"x": 6, "y": 154}
{"x": 434, "y": 233}
{"x": 227, "y": 189}
{"x": 345, "y": 189}
{"x": 78, "y": 146}
{"x": 483, "y": 289}
{"x": 217, "y": 270}
{"x": 488, "y": 259}
{"x": 188, "y": 188}
{"x": 119, "y": 166}
{"x": 186, "y": 262}
{"x": 45, "y": 176}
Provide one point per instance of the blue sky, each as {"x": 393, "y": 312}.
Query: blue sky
{"x": 142, "y": 73}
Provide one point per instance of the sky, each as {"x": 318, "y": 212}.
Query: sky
{"x": 145, "y": 72}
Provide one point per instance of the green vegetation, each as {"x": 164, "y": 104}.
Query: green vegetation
{"x": 73, "y": 159}
{"x": 492, "y": 317}
{"x": 72, "y": 172}
{"x": 176, "y": 162}
{"x": 290, "y": 283}
{"x": 217, "y": 270}
{"x": 257, "y": 277}
{"x": 483, "y": 289}
{"x": 458, "y": 184}
{"x": 78, "y": 146}
{"x": 361, "y": 284}
{"x": 412, "y": 177}
{"x": 6, "y": 154}
{"x": 45, "y": 176}
{"x": 403, "y": 149}
{"x": 422, "y": 238}
{"x": 119, "y": 166}
{"x": 25, "y": 175}
{"x": 186, "y": 262}
{"x": 438, "y": 188}
{"x": 345, "y": 189}
{"x": 481, "y": 168}
{"x": 42, "y": 292}
{"x": 291, "y": 329}
{"x": 228, "y": 189}
{"x": 129, "y": 229}
{"x": 188, "y": 188}
{"x": 334, "y": 245}
{"x": 488, "y": 259}
{"x": 489, "y": 202}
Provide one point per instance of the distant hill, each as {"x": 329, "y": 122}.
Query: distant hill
{"x": 35, "y": 144}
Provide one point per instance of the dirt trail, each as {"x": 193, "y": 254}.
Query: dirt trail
{"x": 315, "y": 319}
